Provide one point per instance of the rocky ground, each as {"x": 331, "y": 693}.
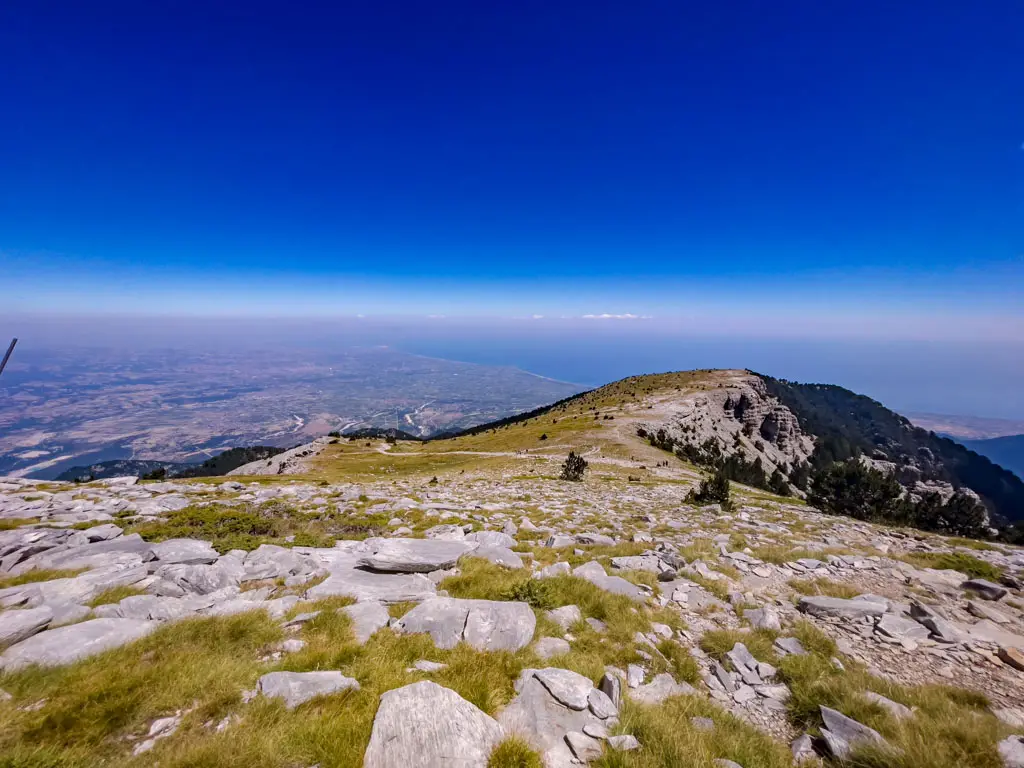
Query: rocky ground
{"x": 493, "y": 620}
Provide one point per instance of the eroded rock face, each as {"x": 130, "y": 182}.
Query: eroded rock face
{"x": 743, "y": 419}
{"x": 424, "y": 724}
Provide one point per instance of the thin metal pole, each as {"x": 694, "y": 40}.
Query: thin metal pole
{"x": 7, "y": 357}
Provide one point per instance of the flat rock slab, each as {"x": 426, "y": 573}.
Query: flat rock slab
{"x": 840, "y": 608}
{"x": 429, "y": 726}
{"x": 367, "y": 617}
{"x": 570, "y": 688}
{"x": 594, "y": 573}
{"x": 486, "y": 625}
{"x": 190, "y": 551}
{"x": 413, "y": 555}
{"x": 366, "y": 585}
{"x": 299, "y": 687}
{"x": 64, "y": 645}
{"x": 985, "y": 589}
{"x": 900, "y": 628}
{"x": 16, "y": 626}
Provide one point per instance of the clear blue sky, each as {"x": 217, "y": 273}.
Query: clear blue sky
{"x": 751, "y": 159}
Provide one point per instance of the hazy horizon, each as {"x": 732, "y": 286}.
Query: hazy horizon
{"x": 955, "y": 377}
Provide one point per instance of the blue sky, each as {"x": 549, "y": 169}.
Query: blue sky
{"x": 765, "y": 167}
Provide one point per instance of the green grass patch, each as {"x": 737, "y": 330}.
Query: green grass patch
{"x": 514, "y": 752}
{"x": 956, "y": 561}
{"x": 668, "y": 738}
{"x": 114, "y": 595}
{"x": 820, "y": 585}
{"x": 39, "y": 574}
{"x": 10, "y": 523}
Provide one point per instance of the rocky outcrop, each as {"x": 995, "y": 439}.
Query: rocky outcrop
{"x": 742, "y": 419}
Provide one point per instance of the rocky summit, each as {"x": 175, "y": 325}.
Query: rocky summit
{"x": 462, "y": 602}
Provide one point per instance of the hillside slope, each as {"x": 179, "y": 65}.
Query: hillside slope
{"x": 767, "y": 433}
{"x": 1007, "y": 452}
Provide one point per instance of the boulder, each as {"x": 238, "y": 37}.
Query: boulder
{"x": 64, "y": 645}
{"x": 763, "y": 618}
{"x": 484, "y": 624}
{"x": 203, "y": 579}
{"x": 543, "y": 720}
{"x": 426, "y": 725}
{"x": 594, "y": 539}
{"x": 299, "y": 687}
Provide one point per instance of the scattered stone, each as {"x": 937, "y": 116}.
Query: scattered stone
{"x": 547, "y": 647}
{"x": 565, "y": 616}
{"x": 299, "y": 687}
{"x": 585, "y": 748}
{"x": 624, "y": 743}
{"x": 842, "y": 734}
{"x": 897, "y": 710}
{"x": 367, "y": 617}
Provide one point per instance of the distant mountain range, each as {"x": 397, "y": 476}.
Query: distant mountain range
{"x": 1005, "y": 451}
